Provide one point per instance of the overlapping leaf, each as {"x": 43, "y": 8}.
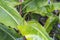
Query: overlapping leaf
{"x": 12, "y": 2}
{"x": 34, "y": 31}
{"x": 50, "y": 23}
{"x": 41, "y": 7}
{"x": 35, "y": 6}
{"x": 7, "y": 33}
{"x": 9, "y": 16}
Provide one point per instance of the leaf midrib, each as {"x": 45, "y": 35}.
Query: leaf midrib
{"x": 10, "y": 15}
{"x": 8, "y": 33}
{"x": 40, "y": 32}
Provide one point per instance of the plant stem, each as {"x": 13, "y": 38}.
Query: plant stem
{"x": 21, "y": 7}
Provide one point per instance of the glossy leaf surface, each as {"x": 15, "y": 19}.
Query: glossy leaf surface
{"x": 9, "y": 16}
{"x": 34, "y": 31}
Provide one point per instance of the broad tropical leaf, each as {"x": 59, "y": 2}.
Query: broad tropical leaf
{"x": 50, "y": 23}
{"x": 7, "y": 33}
{"x": 9, "y": 16}
{"x": 34, "y": 31}
{"x": 12, "y": 2}
{"x": 56, "y": 6}
{"x": 41, "y": 7}
{"x": 35, "y": 6}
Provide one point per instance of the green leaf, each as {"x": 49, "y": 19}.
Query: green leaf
{"x": 39, "y": 7}
{"x": 12, "y": 2}
{"x": 33, "y": 31}
{"x": 56, "y": 6}
{"x": 50, "y": 23}
{"x": 9, "y": 16}
{"x": 35, "y": 6}
{"x": 7, "y": 33}
{"x": 58, "y": 36}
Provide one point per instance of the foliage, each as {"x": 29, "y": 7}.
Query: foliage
{"x": 32, "y": 23}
